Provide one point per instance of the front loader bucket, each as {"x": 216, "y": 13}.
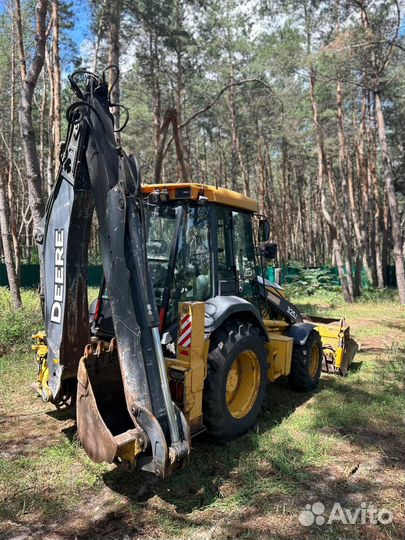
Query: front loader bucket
{"x": 105, "y": 428}
{"x": 339, "y": 348}
{"x": 350, "y": 351}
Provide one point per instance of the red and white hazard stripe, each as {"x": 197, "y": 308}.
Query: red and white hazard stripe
{"x": 185, "y": 331}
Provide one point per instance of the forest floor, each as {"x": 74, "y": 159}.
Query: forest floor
{"x": 343, "y": 443}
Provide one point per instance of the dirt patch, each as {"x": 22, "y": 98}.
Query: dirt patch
{"x": 376, "y": 335}
{"x": 237, "y": 491}
{"x": 26, "y": 434}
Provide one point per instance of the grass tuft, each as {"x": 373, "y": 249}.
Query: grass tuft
{"x": 342, "y": 443}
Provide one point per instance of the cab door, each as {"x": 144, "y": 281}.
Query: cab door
{"x": 234, "y": 252}
{"x": 223, "y": 251}
{"x": 244, "y": 255}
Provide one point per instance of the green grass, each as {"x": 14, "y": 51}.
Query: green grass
{"x": 329, "y": 302}
{"x": 343, "y": 442}
{"x": 17, "y": 325}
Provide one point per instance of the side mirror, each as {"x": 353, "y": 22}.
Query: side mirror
{"x": 264, "y": 230}
{"x": 270, "y": 252}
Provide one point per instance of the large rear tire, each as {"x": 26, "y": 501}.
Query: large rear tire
{"x": 235, "y": 386}
{"x": 306, "y": 364}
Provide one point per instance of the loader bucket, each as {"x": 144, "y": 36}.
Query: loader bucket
{"x": 339, "y": 348}
{"x": 350, "y": 351}
{"x": 105, "y": 428}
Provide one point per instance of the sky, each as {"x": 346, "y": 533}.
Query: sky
{"x": 82, "y": 21}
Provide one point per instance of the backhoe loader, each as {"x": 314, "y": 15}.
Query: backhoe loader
{"x": 185, "y": 332}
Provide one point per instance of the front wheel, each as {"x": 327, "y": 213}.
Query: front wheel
{"x": 235, "y": 386}
{"x": 306, "y": 363}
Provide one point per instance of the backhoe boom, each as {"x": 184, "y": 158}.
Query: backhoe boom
{"x": 95, "y": 173}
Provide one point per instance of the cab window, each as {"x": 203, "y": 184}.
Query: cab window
{"x": 244, "y": 253}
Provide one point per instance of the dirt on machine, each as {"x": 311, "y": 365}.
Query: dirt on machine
{"x": 186, "y": 331}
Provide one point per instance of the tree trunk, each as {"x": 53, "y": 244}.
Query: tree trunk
{"x": 355, "y": 206}
{"x": 6, "y": 238}
{"x": 56, "y": 83}
{"x": 385, "y": 239}
{"x": 18, "y": 22}
{"x": 180, "y": 153}
{"x": 43, "y": 127}
{"x": 33, "y": 173}
{"x": 160, "y": 153}
{"x": 183, "y": 169}
{"x": 322, "y": 172}
{"x": 284, "y": 158}
{"x": 156, "y": 93}
{"x": 303, "y": 242}
{"x": 343, "y": 173}
{"x": 378, "y": 220}
{"x": 261, "y": 175}
{"x": 236, "y": 146}
{"x": 234, "y": 153}
{"x": 114, "y": 59}
{"x": 10, "y": 182}
{"x": 50, "y": 164}
{"x": 392, "y": 199}
{"x": 270, "y": 204}
{"x": 99, "y": 36}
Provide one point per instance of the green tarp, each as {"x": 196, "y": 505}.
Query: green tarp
{"x": 30, "y": 275}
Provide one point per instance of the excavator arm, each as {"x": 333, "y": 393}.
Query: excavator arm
{"x": 124, "y": 408}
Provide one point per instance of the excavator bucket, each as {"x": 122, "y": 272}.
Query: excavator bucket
{"x": 339, "y": 348}
{"x": 124, "y": 406}
{"x": 104, "y": 426}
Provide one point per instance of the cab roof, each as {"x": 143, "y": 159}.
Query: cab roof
{"x": 192, "y": 191}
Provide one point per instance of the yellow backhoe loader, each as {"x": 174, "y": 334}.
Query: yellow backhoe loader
{"x": 186, "y": 332}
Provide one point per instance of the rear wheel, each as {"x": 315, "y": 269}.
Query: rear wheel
{"x": 236, "y": 381}
{"x": 306, "y": 363}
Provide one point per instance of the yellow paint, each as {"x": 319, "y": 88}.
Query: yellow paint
{"x": 41, "y": 350}
{"x": 334, "y": 336}
{"x": 280, "y": 292}
{"x": 338, "y": 357}
{"x": 39, "y": 336}
{"x": 192, "y": 362}
{"x": 279, "y": 352}
{"x": 213, "y": 194}
{"x": 314, "y": 360}
{"x": 242, "y": 385}
{"x": 274, "y": 324}
{"x": 130, "y": 451}
{"x": 40, "y": 346}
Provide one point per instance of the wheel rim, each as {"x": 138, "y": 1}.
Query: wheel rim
{"x": 314, "y": 361}
{"x": 242, "y": 384}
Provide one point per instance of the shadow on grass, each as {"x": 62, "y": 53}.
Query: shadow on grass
{"x": 355, "y": 367}
{"x": 365, "y": 417}
{"x": 68, "y": 413}
{"x": 394, "y": 325}
{"x": 237, "y": 488}
{"x": 199, "y": 484}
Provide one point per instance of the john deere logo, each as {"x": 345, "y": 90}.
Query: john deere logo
{"x": 59, "y": 278}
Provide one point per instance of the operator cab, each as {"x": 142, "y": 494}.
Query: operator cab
{"x": 200, "y": 245}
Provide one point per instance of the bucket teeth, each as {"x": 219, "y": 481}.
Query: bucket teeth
{"x": 100, "y": 348}
{"x": 88, "y": 351}
{"x": 113, "y": 345}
